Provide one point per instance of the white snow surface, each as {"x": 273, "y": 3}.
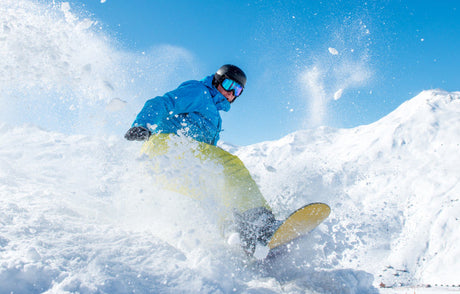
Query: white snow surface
{"x": 81, "y": 214}
{"x": 393, "y": 187}
{"x": 80, "y": 211}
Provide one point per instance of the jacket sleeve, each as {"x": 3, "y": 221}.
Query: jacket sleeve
{"x": 189, "y": 97}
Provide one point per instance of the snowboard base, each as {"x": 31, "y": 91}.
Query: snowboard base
{"x": 299, "y": 223}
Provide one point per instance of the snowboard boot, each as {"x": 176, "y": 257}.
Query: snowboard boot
{"x": 255, "y": 226}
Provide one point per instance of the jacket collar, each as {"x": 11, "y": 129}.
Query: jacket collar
{"x": 219, "y": 100}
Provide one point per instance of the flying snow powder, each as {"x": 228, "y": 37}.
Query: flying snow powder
{"x": 333, "y": 51}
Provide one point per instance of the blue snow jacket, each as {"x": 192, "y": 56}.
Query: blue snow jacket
{"x": 192, "y": 109}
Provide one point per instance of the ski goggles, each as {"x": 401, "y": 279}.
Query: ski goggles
{"x": 230, "y": 85}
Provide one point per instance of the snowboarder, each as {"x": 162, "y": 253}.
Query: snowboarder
{"x": 193, "y": 110}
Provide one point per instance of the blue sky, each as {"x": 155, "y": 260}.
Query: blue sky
{"x": 309, "y": 63}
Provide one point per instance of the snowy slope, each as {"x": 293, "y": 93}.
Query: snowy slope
{"x": 81, "y": 213}
{"x": 393, "y": 186}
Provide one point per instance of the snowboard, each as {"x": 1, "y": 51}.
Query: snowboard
{"x": 299, "y": 223}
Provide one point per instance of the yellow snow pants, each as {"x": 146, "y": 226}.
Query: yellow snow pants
{"x": 237, "y": 189}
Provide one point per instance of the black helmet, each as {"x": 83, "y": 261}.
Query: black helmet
{"x": 231, "y": 72}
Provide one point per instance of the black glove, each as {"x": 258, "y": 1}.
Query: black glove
{"x": 138, "y": 134}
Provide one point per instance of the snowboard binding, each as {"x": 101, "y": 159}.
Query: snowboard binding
{"x": 255, "y": 226}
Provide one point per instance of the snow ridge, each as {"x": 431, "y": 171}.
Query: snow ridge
{"x": 393, "y": 186}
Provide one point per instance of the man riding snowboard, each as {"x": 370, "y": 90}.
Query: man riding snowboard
{"x": 192, "y": 110}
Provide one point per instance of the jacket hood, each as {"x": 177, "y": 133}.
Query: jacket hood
{"x": 219, "y": 100}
